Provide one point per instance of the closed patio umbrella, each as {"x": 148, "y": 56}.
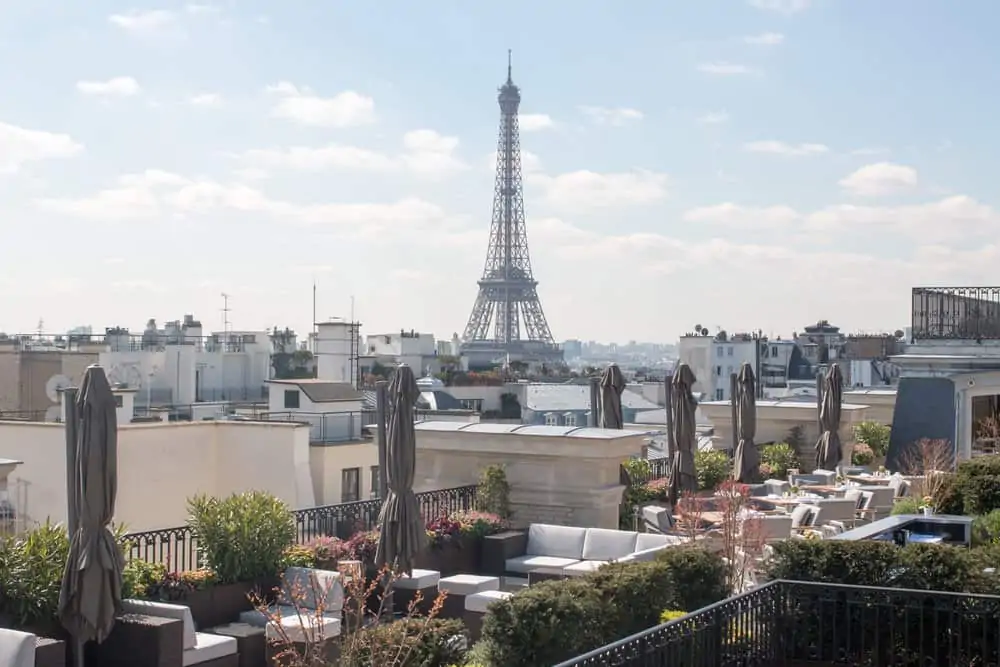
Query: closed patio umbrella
{"x": 746, "y": 460}
{"x": 683, "y": 405}
{"x": 91, "y": 593}
{"x": 612, "y": 385}
{"x": 828, "y": 447}
{"x": 402, "y": 535}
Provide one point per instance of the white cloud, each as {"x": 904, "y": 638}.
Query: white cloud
{"x": 714, "y": 118}
{"x": 587, "y": 190}
{"x": 765, "y": 39}
{"x": 882, "y": 178}
{"x": 612, "y": 116}
{"x": 137, "y": 21}
{"x": 303, "y": 106}
{"x": 727, "y": 69}
{"x": 781, "y": 6}
{"x": 205, "y": 100}
{"x": 782, "y": 148}
{"x": 156, "y": 194}
{"x": 19, "y": 146}
{"x": 425, "y": 152}
{"x": 533, "y": 122}
{"x": 956, "y": 216}
{"x": 119, "y": 86}
{"x": 729, "y": 214}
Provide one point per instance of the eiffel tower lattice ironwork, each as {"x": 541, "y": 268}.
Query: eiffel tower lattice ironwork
{"x": 508, "y": 296}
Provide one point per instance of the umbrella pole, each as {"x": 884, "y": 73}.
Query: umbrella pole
{"x": 72, "y": 465}
{"x": 595, "y": 391}
{"x": 381, "y": 398}
{"x": 668, "y": 398}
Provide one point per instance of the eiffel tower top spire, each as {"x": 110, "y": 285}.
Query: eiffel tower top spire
{"x": 507, "y": 319}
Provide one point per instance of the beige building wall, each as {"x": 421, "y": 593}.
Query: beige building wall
{"x": 161, "y": 465}
{"x": 24, "y": 375}
{"x": 10, "y": 381}
{"x": 328, "y": 462}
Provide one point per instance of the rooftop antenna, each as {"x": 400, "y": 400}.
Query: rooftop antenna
{"x": 41, "y": 327}
{"x": 509, "y": 61}
{"x": 314, "y": 307}
{"x": 352, "y": 309}
{"x": 225, "y": 316}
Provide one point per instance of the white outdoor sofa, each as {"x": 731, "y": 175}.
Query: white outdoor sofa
{"x": 17, "y": 649}
{"x": 571, "y": 549}
{"x": 199, "y": 648}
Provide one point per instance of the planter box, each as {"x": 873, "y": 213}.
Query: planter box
{"x": 50, "y": 652}
{"x": 221, "y": 604}
{"x": 460, "y": 557}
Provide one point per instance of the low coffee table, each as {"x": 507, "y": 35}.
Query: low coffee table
{"x": 540, "y": 574}
{"x": 250, "y": 642}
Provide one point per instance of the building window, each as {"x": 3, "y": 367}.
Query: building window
{"x": 374, "y": 486}
{"x": 570, "y": 419}
{"x": 350, "y": 485}
{"x": 718, "y": 370}
{"x": 718, "y": 395}
{"x": 551, "y": 419}
{"x": 729, "y": 351}
{"x": 118, "y": 400}
{"x": 474, "y": 404}
{"x": 774, "y": 351}
{"x": 291, "y": 399}
{"x": 718, "y": 351}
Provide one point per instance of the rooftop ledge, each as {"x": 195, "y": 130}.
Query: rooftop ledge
{"x": 486, "y": 428}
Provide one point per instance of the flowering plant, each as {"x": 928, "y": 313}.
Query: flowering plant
{"x": 480, "y": 524}
{"x": 177, "y": 585}
{"x": 766, "y": 470}
{"x": 656, "y": 489}
{"x": 862, "y": 454}
{"x": 443, "y": 530}
{"x": 362, "y": 546}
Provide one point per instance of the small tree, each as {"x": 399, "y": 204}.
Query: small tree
{"x": 493, "y": 493}
{"x": 875, "y": 435}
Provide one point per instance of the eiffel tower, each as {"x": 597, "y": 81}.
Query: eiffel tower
{"x": 508, "y": 295}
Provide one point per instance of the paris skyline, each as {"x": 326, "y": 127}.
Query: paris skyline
{"x": 739, "y": 163}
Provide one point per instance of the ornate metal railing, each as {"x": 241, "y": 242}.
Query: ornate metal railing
{"x": 658, "y": 469}
{"x": 177, "y": 548}
{"x": 793, "y": 623}
{"x": 956, "y": 313}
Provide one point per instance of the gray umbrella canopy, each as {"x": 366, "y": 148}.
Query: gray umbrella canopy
{"x": 91, "y": 594}
{"x": 612, "y": 385}
{"x": 828, "y": 449}
{"x": 746, "y": 462}
{"x": 402, "y": 534}
{"x": 683, "y": 405}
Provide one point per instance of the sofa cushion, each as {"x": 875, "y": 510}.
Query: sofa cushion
{"x": 480, "y": 602}
{"x": 643, "y": 556}
{"x": 468, "y": 584}
{"x": 418, "y": 580}
{"x": 605, "y": 544}
{"x": 650, "y": 540}
{"x": 17, "y": 649}
{"x": 802, "y": 516}
{"x": 208, "y": 647}
{"x": 529, "y": 563}
{"x": 164, "y": 610}
{"x": 306, "y": 627}
{"x": 313, "y": 589}
{"x": 583, "y": 567}
{"x": 556, "y": 541}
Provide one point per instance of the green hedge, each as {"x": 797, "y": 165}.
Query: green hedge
{"x": 882, "y": 564}
{"x": 557, "y": 620}
{"x": 974, "y": 489}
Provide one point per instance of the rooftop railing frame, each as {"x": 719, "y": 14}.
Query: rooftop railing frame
{"x": 955, "y": 313}
{"x": 177, "y": 547}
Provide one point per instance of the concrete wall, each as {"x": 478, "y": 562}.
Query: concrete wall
{"x": 161, "y": 465}
{"x": 328, "y": 462}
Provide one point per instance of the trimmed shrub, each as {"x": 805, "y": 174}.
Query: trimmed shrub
{"x": 986, "y": 529}
{"x": 422, "y": 642}
{"x": 700, "y": 576}
{"x": 906, "y": 506}
{"x": 936, "y": 567}
{"x": 712, "y": 468}
{"x": 974, "y": 489}
{"x": 833, "y": 561}
{"x": 874, "y": 435}
{"x": 638, "y": 594}
{"x": 546, "y": 624}
{"x": 778, "y": 458}
{"x": 948, "y": 496}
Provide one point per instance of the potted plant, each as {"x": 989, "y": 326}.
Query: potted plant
{"x": 794, "y": 490}
{"x": 927, "y": 506}
{"x": 243, "y": 540}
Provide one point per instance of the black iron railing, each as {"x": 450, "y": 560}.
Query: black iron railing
{"x": 956, "y": 313}
{"x": 658, "y": 469}
{"x": 177, "y": 548}
{"x": 792, "y": 623}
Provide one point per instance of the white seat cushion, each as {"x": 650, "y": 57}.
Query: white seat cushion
{"x": 605, "y": 544}
{"x": 529, "y": 563}
{"x": 467, "y": 584}
{"x": 258, "y": 619}
{"x": 419, "y": 580}
{"x": 583, "y": 567}
{"x": 208, "y": 647}
{"x": 479, "y": 602}
{"x": 646, "y": 541}
{"x": 311, "y": 627}
{"x": 17, "y": 649}
{"x": 556, "y": 541}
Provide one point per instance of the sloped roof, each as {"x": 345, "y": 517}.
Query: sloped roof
{"x": 323, "y": 391}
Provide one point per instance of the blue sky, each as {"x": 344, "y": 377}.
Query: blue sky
{"x": 741, "y": 163}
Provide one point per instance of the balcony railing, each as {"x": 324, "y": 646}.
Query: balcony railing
{"x": 177, "y": 548}
{"x": 327, "y": 427}
{"x": 956, "y": 313}
{"x": 785, "y": 623}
